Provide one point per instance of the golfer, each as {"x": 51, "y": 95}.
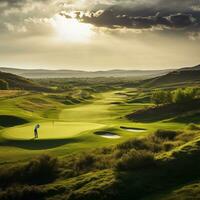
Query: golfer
{"x": 36, "y": 131}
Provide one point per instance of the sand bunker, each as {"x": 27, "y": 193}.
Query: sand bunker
{"x": 131, "y": 129}
{"x": 108, "y": 135}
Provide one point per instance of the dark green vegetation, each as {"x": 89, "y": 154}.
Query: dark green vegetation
{"x": 133, "y": 169}
{"x": 102, "y": 139}
{"x": 178, "y": 96}
{"x": 180, "y": 77}
{"x": 11, "y": 81}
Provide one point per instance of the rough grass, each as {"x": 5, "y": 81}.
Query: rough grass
{"x": 193, "y": 127}
{"x": 147, "y": 164}
{"x": 131, "y": 170}
{"x": 153, "y": 114}
{"x": 186, "y": 192}
{"x": 42, "y": 170}
{"x": 136, "y": 160}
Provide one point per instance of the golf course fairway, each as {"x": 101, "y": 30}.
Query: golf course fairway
{"x": 50, "y": 130}
{"x": 72, "y": 128}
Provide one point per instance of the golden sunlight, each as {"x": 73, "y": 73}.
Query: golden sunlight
{"x": 71, "y": 30}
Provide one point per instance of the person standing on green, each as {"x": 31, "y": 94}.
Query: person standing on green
{"x": 36, "y": 131}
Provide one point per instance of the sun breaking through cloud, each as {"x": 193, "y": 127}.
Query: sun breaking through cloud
{"x": 101, "y": 34}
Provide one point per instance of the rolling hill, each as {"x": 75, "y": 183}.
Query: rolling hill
{"x": 43, "y": 73}
{"x": 177, "y": 77}
{"x": 18, "y": 82}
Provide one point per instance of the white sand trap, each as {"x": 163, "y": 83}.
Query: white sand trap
{"x": 108, "y": 135}
{"x": 135, "y": 130}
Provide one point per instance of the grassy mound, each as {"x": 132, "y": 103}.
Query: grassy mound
{"x": 189, "y": 191}
{"x": 132, "y": 170}
{"x": 18, "y": 82}
{"x": 162, "y": 112}
{"x": 42, "y": 170}
{"x": 8, "y": 120}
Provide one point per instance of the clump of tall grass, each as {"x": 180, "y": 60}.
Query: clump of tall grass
{"x": 43, "y": 169}
{"x": 22, "y": 193}
{"x": 193, "y": 127}
{"x": 135, "y": 159}
{"x": 166, "y": 134}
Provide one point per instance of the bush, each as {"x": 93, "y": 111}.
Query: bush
{"x": 186, "y": 137}
{"x": 169, "y": 145}
{"x": 184, "y": 95}
{"x": 166, "y": 134}
{"x": 193, "y": 127}
{"x": 161, "y": 97}
{"x": 84, "y": 162}
{"x": 135, "y": 143}
{"x": 150, "y": 143}
{"x": 178, "y": 96}
{"x": 22, "y": 193}
{"x": 42, "y": 170}
{"x": 135, "y": 160}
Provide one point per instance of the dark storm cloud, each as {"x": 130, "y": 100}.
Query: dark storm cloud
{"x": 144, "y": 14}
{"x": 111, "y": 18}
{"x": 132, "y": 14}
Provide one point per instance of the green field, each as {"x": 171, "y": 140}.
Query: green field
{"x": 96, "y": 145}
{"x": 68, "y": 128}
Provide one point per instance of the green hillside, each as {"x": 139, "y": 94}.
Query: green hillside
{"x": 178, "y": 77}
{"x": 89, "y": 149}
{"x": 11, "y": 81}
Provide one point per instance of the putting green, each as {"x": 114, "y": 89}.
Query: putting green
{"x": 50, "y": 130}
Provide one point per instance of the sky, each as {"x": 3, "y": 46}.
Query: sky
{"x": 99, "y": 34}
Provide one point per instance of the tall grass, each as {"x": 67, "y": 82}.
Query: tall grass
{"x": 41, "y": 170}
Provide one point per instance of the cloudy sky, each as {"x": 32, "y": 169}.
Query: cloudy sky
{"x": 99, "y": 34}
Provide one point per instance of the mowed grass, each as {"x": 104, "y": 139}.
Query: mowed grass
{"x": 69, "y": 129}
{"x": 49, "y": 130}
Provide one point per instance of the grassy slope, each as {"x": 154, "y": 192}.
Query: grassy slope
{"x": 19, "y": 82}
{"x": 101, "y": 110}
{"x": 170, "y": 171}
{"x": 183, "y": 192}
{"x": 185, "y": 76}
{"x": 17, "y": 143}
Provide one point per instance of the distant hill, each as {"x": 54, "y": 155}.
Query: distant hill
{"x": 195, "y": 68}
{"x": 180, "y": 76}
{"x": 18, "y": 82}
{"x": 43, "y": 73}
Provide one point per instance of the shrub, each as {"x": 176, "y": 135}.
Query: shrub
{"x": 161, "y": 97}
{"x": 166, "y": 134}
{"x": 178, "y": 96}
{"x": 135, "y": 143}
{"x": 84, "y": 162}
{"x": 193, "y": 127}
{"x": 22, "y": 193}
{"x": 184, "y": 95}
{"x": 186, "y": 137}
{"x": 43, "y": 169}
{"x": 150, "y": 143}
{"x": 169, "y": 145}
{"x": 135, "y": 160}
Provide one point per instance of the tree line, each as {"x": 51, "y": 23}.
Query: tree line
{"x": 180, "y": 95}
